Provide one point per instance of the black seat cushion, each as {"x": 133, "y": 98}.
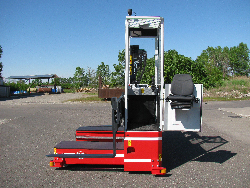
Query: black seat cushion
{"x": 182, "y": 88}
{"x": 182, "y": 85}
{"x": 180, "y": 97}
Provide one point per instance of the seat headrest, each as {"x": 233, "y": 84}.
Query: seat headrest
{"x": 182, "y": 84}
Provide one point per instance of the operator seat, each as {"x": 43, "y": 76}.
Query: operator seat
{"x": 182, "y": 88}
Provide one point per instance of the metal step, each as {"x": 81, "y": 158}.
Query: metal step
{"x": 82, "y": 155}
{"x": 98, "y": 128}
{"x": 89, "y": 145}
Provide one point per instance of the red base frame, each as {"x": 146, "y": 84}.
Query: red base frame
{"x": 142, "y": 151}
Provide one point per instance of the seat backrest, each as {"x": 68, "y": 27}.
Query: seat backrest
{"x": 182, "y": 84}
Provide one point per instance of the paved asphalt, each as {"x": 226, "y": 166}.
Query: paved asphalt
{"x": 219, "y": 156}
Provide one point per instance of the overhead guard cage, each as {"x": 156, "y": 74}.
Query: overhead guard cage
{"x": 146, "y": 27}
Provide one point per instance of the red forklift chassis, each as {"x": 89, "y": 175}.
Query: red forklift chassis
{"x": 136, "y": 150}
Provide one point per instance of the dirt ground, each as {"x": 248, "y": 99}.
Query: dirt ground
{"x": 30, "y": 127}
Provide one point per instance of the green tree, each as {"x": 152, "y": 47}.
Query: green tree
{"x": 234, "y": 60}
{"x": 92, "y": 80}
{"x": 239, "y": 60}
{"x": 149, "y": 71}
{"x": 217, "y": 57}
{"x": 210, "y": 74}
{"x": 36, "y": 82}
{"x": 18, "y": 86}
{"x": 66, "y": 83}
{"x": 57, "y": 80}
{"x": 1, "y": 64}
{"x": 118, "y": 75}
{"x": 80, "y": 78}
{"x": 175, "y": 63}
{"x": 104, "y": 72}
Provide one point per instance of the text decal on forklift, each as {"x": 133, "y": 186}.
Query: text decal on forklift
{"x": 130, "y": 65}
{"x": 160, "y": 158}
{"x": 129, "y": 142}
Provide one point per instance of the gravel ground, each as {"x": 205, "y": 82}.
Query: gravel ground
{"x": 37, "y": 98}
{"x": 32, "y": 126}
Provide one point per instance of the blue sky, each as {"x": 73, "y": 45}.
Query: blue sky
{"x": 56, "y": 36}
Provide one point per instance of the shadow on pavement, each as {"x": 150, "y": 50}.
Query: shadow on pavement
{"x": 179, "y": 148}
{"x": 20, "y": 96}
{"x": 85, "y": 167}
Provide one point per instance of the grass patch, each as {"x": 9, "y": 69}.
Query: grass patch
{"x": 205, "y": 99}
{"x": 237, "y": 88}
{"x": 68, "y": 90}
{"x": 86, "y": 99}
{"x": 74, "y": 91}
{"x": 94, "y": 93}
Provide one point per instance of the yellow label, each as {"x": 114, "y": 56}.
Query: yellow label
{"x": 164, "y": 171}
{"x": 129, "y": 142}
{"x": 160, "y": 158}
{"x": 51, "y": 163}
{"x": 142, "y": 90}
{"x": 54, "y": 150}
{"x": 130, "y": 66}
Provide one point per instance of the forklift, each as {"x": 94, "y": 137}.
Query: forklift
{"x": 141, "y": 114}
